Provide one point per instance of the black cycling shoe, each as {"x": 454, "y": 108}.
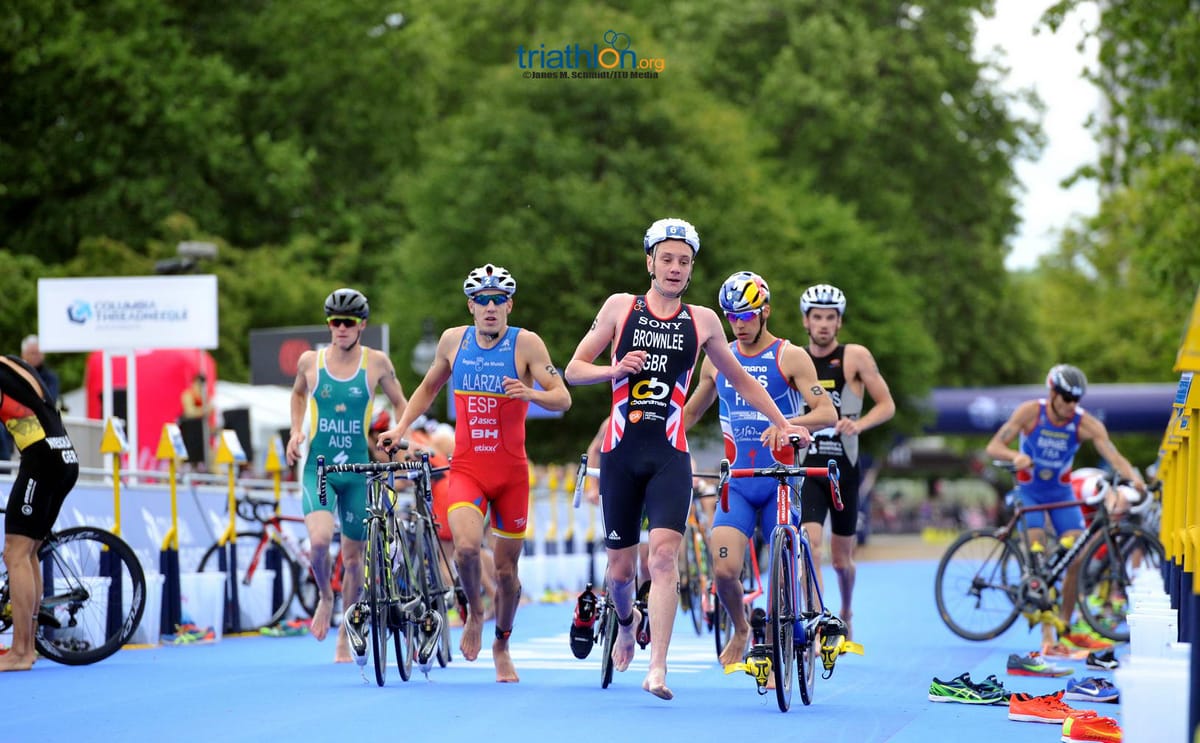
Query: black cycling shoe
{"x": 582, "y": 626}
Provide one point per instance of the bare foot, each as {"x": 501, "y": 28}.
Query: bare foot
{"x": 341, "y": 653}
{"x": 845, "y": 617}
{"x": 735, "y": 649}
{"x": 10, "y": 661}
{"x": 505, "y": 672}
{"x": 472, "y": 637}
{"x": 320, "y": 619}
{"x": 623, "y": 648}
{"x": 656, "y": 683}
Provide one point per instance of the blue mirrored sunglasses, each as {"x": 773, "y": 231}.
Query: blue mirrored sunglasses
{"x": 484, "y": 300}
{"x": 742, "y": 316}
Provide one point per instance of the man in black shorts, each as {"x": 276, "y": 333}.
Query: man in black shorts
{"x": 654, "y": 339}
{"x": 846, "y": 371}
{"x": 49, "y": 468}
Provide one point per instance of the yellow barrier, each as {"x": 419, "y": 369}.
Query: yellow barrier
{"x": 115, "y": 444}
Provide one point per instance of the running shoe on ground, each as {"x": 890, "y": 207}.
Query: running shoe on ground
{"x": 993, "y": 686}
{"x": 1084, "y": 641}
{"x": 1092, "y": 689}
{"x": 1104, "y": 660}
{"x": 1062, "y": 651}
{"x": 190, "y": 634}
{"x": 1088, "y": 726}
{"x": 960, "y": 689}
{"x": 1034, "y": 665}
{"x": 1048, "y": 708}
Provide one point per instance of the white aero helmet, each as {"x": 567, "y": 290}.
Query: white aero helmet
{"x": 743, "y": 291}
{"x": 1067, "y": 380}
{"x": 488, "y": 276}
{"x": 671, "y": 228}
{"x": 823, "y": 295}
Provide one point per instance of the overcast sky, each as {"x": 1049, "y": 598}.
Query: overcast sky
{"x": 1050, "y": 64}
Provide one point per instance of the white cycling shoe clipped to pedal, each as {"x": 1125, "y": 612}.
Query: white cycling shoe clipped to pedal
{"x": 356, "y": 631}
{"x": 429, "y": 633}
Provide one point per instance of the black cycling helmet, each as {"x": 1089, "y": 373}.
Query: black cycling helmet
{"x": 348, "y": 302}
{"x": 1067, "y": 380}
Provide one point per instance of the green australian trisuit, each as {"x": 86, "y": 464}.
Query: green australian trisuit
{"x": 339, "y": 411}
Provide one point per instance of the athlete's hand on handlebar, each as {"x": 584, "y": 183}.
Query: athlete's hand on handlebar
{"x": 775, "y": 438}
{"x": 391, "y": 441}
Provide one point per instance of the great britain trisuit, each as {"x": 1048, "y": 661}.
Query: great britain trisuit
{"x": 489, "y": 465}
{"x": 828, "y": 444}
{"x": 49, "y": 464}
{"x": 743, "y": 425}
{"x": 644, "y": 460}
{"x": 339, "y": 411}
{"x": 1052, "y": 449}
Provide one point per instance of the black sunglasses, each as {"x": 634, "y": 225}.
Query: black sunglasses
{"x": 344, "y": 322}
{"x": 1068, "y": 397}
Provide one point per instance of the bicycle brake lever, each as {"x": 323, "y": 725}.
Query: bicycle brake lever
{"x": 835, "y": 486}
{"x": 321, "y": 479}
{"x": 580, "y": 477}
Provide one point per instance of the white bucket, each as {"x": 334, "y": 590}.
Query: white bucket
{"x": 202, "y": 600}
{"x": 1154, "y": 701}
{"x": 254, "y": 600}
{"x": 148, "y": 631}
{"x": 1151, "y": 631}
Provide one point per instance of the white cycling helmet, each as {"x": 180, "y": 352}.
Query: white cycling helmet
{"x": 671, "y": 228}
{"x": 742, "y": 292}
{"x": 824, "y": 296}
{"x": 1094, "y": 489}
{"x": 1135, "y": 499}
{"x": 488, "y": 276}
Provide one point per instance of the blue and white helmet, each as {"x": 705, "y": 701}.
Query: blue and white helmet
{"x": 744, "y": 291}
{"x": 1067, "y": 379}
{"x": 488, "y": 276}
{"x": 824, "y": 296}
{"x": 671, "y": 228}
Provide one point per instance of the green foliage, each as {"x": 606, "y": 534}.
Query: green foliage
{"x": 322, "y": 145}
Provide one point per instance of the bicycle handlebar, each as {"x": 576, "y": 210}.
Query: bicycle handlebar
{"x": 361, "y": 468}
{"x": 780, "y": 472}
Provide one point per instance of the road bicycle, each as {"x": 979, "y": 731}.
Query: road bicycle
{"x": 438, "y": 580}
{"x": 989, "y": 577}
{"x": 257, "y": 549}
{"x": 392, "y": 604}
{"x": 93, "y": 596}
{"x": 798, "y": 625}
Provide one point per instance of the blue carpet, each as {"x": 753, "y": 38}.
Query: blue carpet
{"x": 258, "y": 688}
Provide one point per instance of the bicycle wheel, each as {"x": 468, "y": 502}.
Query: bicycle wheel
{"x": 608, "y": 635}
{"x": 404, "y": 631}
{"x": 377, "y": 596}
{"x": 249, "y": 561}
{"x": 978, "y": 585}
{"x": 722, "y": 625}
{"x": 435, "y": 589}
{"x": 690, "y": 583}
{"x": 781, "y": 607}
{"x": 811, "y": 612}
{"x": 1109, "y": 567}
{"x": 95, "y": 589}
